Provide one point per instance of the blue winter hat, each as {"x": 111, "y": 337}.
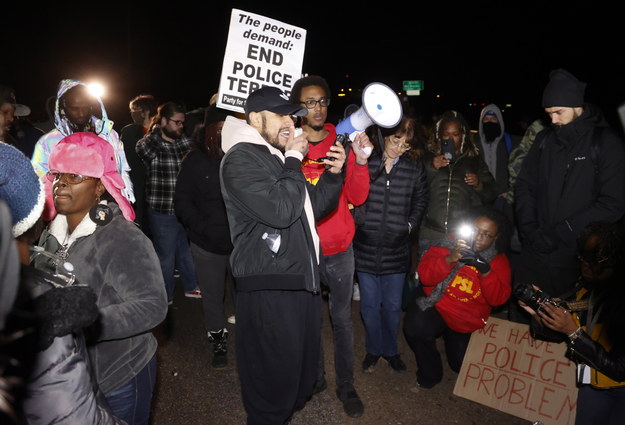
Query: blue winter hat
{"x": 20, "y": 188}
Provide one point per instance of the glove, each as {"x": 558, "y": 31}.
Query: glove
{"x": 472, "y": 258}
{"x": 544, "y": 242}
{"x": 64, "y": 310}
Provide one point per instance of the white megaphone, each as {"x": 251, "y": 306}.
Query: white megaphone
{"x": 380, "y": 105}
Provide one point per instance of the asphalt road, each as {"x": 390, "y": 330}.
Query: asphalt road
{"x": 190, "y": 392}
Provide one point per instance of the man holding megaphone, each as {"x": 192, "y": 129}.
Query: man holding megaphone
{"x": 336, "y": 230}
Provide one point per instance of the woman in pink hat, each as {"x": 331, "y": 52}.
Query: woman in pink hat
{"x": 92, "y": 228}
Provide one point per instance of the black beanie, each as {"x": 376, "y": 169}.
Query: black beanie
{"x": 563, "y": 89}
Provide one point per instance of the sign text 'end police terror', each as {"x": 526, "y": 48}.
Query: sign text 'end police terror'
{"x": 259, "y": 74}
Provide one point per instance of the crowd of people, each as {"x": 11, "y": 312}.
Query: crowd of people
{"x": 434, "y": 227}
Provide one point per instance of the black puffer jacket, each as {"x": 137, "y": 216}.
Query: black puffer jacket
{"x": 450, "y": 196}
{"x": 393, "y": 210}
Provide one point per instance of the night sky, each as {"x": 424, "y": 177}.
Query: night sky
{"x": 472, "y": 54}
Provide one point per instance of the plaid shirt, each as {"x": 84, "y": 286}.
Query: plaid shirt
{"x": 162, "y": 160}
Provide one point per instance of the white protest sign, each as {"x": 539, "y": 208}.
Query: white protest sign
{"x": 505, "y": 368}
{"x": 260, "y": 52}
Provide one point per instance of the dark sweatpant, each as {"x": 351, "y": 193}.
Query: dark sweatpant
{"x": 278, "y": 341}
{"x": 421, "y": 329}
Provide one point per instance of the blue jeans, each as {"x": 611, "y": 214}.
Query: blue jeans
{"x": 380, "y": 308}
{"x": 172, "y": 247}
{"x": 338, "y": 275}
{"x": 132, "y": 401}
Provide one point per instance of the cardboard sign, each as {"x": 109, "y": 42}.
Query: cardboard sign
{"x": 505, "y": 368}
{"x": 260, "y": 52}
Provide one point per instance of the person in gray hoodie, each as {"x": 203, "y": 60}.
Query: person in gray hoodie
{"x": 495, "y": 145}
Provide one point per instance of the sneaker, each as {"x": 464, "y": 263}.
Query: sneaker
{"x": 170, "y": 302}
{"x": 396, "y": 363}
{"x": 220, "y": 348}
{"x": 369, "y": 363}
{"x": 231, "y": 320}
{"x": 352, "y": 405}
{"x": 196, "y": 293}
{"x": 356, "y": 294}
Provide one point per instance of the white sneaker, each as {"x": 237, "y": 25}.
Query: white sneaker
{"x": 356, "y": 294}
{"x": 231, "y": 320}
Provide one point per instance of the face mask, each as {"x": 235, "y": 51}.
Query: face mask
{"x": 492, "y": 130}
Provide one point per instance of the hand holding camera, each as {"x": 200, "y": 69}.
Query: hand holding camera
{"x": 553, "y": 313}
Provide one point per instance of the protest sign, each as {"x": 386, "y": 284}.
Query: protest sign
{"x": 505, "y": 368}
{"x": 260, "y": 52}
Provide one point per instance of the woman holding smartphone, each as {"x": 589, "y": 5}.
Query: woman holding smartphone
{"x": 458, "y": 178}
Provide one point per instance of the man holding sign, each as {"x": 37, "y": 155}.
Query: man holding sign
{"x": 275, "y": 262}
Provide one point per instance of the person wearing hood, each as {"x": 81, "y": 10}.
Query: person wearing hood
{"x": 572, "y": 175}
{"x": 92, "y": 228}
{"x": 73, "y": 112}
{"x": 272, "y": 211}
{"x": 495, "y": 146}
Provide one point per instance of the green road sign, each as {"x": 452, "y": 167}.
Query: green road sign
{"x": 413, "y": 85}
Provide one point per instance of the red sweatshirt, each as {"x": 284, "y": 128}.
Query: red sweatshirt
{"x": 336, "y": 230}
{"x": 469, "y": 297}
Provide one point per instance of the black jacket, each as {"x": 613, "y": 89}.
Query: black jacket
{"x": 393, "y": 210}
{"x": 563, "y": 185}
{"x": 450, "y": 196}
{"x": 199, "y": 204}
{"x": 265, "y": 196}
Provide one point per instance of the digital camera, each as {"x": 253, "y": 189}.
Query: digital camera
{"x": 535, "y": 298}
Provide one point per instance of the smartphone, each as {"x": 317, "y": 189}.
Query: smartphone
{"x": 448, "y": 149}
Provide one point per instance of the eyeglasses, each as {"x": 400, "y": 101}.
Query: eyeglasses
{"x": 396, "y": 142}
{"x": 70, "y": 178}
{"x": 312, "y": 103}
{"x": 592, "y": 260}
{"x": 177, "y": 122}
{"x": 485, "y": 235}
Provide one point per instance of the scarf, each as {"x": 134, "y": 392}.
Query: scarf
{"x": 437, "y": 293}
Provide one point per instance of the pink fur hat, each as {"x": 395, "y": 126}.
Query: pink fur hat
{"x": 87, "y": 154}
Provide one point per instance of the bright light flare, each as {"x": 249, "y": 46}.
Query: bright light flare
{"x": 96, "y": 89}
{"x": 465, "y": 232}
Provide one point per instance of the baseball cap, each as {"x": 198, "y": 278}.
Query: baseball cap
{"x": 7, "y": 95}
{"x": 274, "y": 100}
